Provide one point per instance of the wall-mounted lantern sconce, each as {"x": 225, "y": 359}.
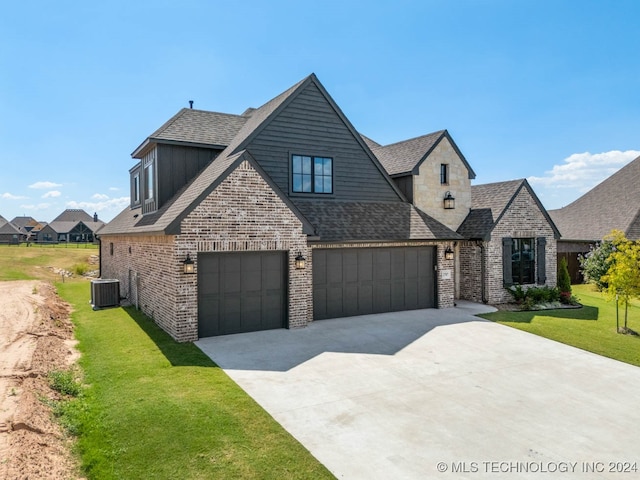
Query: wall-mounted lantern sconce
{"x": 300, "y": 261}
{"x": 449, "y": 201}
{"x": 448, "y": 254}
{"x": 187, "y": 265}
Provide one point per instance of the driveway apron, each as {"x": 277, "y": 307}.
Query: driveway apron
{"x": 440, "y": 394}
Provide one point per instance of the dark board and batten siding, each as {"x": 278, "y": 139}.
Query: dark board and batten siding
{"x": 177, "y": 165}
{"x": 310, "y": 126}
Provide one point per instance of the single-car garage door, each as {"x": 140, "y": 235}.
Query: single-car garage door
{"x": 360, "y": 281}
{"x": 241, "y": 292}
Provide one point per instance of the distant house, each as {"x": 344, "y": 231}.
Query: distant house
{"x": 9, "y": 233}
{"x": 28, "y": 226}
{"x": 72, "y": 226}
{"x": 612, "y": 204}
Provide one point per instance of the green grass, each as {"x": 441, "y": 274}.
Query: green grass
{"x": 591, "y": 328}
{"x": 154, "y": 408}
{"x": 30, "y": 263}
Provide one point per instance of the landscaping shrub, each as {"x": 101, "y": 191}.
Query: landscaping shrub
{"x": 596, "y": 263}
{"x": 564, "y": 280}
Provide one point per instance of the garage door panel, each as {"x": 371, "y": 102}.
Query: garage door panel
{"x": 241, "y": 292}
{"x": 361, "y": 281}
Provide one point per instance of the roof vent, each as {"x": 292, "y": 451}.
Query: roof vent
{"x": 191, "y": 104}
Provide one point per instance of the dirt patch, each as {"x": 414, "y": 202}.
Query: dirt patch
{"x": 36, "y": 337}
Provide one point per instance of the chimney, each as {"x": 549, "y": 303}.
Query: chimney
{"x": 95, "y": 217}
{"x": 191, "y": 104}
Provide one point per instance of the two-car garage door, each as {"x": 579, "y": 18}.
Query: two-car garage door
{"x": 360, "y": 281}
{"x": 247, "y": 291}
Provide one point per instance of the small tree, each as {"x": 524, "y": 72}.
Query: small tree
{"x": 623, "y": 276}
{"x": 596, "y": 263}
{"x": 564, "y": 281}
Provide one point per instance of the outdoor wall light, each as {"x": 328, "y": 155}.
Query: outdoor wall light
{"x": 187, "y": 265}
{"x": 300, "y": 261}
{"x": 449, "y": 201}
{"x": 448, "y": 254}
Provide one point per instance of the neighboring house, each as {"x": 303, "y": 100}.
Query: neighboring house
{"x": 28, "y": 226}
{"x": 612, "y": 204}
{"x": 287, "y": 216}
{"x": 9, "y": 233}
{"x": 509, "y": 239}
{"x": 72, "y": 226}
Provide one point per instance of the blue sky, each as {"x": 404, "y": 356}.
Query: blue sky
{"x": 544, "y": 90}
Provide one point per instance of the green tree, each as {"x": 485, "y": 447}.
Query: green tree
{"x": 564, "y": 281}
{"x": 623, "y": 276}
{"x": 596, "y": 263}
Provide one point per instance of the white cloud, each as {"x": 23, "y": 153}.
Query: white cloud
{"x": 39, "y": 206}
{"x": 10, "y": 196}
{"x": 579, "y": 173}
{"x": 100, "y": 196}
{"x": 52, "y": 194}
{"x": 44, "y": 185}
{"x": 114, "y": 189}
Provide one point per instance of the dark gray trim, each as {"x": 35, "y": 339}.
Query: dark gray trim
{"x": 507, "y": 267}
{"x": 541, "y": 261}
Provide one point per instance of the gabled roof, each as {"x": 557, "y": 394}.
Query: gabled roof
{"x": 612, "y": 204}
{"x": 404, "y": 158}
{"x": 7, "y": 227}
{"x": 67, "y": 226}
{"x": 489, "y": 202}
{"x": 168, "y": 218}
{"x": 365, "y": 221}
{"x": 73, "y": 215}
{"x": 196, "y": 127}
{"x": 24, "y": 221}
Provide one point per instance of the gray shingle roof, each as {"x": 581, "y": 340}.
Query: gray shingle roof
{"x": 405, "y": 157}
{"x": 23, "y": 221}
{"x": 200, "y": 127}
{"x": 66, "y": 227}
{"x": 7, "y": 227}
{"x": 73, "y": 215}
{"x": 364, "y": 221}
{"x": 489, "y": 202}
{"x": 612, "y": 204}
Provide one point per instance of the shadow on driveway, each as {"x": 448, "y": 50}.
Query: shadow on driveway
{"x": 379, "y": 334}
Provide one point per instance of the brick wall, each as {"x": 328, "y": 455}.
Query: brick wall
{"x": 241, "y": 214}
{"x": 523, "y": 219}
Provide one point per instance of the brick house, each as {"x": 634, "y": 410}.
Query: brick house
{"x": 287, "y": 215}
{"x": 73, "y": 225}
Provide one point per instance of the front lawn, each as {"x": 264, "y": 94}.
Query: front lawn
{"x": 592, "y": 327}
{"x": 154, "y": 408}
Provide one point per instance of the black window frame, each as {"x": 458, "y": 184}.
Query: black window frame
{"x": 444, "y": 174}
{"x": 312, "y": 176}
{"x": 523, "y": 261}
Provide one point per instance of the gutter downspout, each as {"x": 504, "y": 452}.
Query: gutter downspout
{"x": 99, "y": 256}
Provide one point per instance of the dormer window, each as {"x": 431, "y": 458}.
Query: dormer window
{"x": 311, "y": 174}
{"x": 148, "y": 175}
{"x": 136, "y": 189}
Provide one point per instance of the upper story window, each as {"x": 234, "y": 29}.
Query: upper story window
{"x": 444, "y": 174}
{"x": 148, "y": 175}
{"x": 311, "y": 174}
{"x": 136, "y": 189}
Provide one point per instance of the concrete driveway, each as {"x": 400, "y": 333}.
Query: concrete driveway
{"x": 440, "y": 394}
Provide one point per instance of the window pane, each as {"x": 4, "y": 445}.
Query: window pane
{"x": 297, "y": 183}
{"x": 327, "y": 166}
{"x": 318, "y": 166}
{"x": 306, "y": 183}
{"x": 327, "y": 185}
{"x": 319, "y": 184}
{"x": 297, "y": 164}
{"x": 306, "y": 165}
